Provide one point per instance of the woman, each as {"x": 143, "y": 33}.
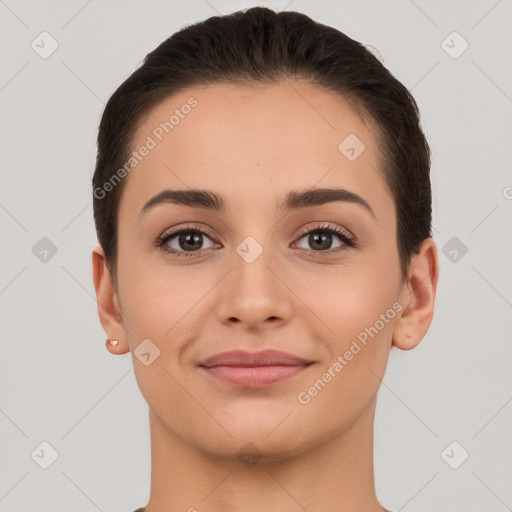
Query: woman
{"x": 263, "y": 208}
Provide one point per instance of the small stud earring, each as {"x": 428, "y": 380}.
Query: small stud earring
{"x": 113, "y": 343}
{"x": 410, "y": 337}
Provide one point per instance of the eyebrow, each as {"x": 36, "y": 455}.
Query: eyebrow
{"x": 293, "y": 200}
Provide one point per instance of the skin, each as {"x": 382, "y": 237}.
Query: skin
{"x": 252, "y": 145}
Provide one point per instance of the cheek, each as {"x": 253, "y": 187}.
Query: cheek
{"x": 348, "y": 300}
{"x": 166, "y": 303}
{"x": 154, "y": 301}
{"x": 359, "y": 311}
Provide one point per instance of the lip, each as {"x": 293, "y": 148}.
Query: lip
{"x": 254, "y": 369}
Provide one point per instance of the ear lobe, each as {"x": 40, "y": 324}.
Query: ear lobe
{"x": 418, "y": 297}
{"x": 109, "y": 310}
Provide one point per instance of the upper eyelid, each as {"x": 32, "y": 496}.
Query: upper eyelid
{"x": 321, "y": 226}
{"x": 176, "y": 231}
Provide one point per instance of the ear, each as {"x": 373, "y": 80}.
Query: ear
{"x": 109, "y": 309}
{"x": 418, "y": 297}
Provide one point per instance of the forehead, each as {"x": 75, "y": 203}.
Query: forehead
{"x": 253, "y": 142}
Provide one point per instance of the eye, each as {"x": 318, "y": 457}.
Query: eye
{"x": 184, "y": 242}
{"x": 189, "y": 241}
{"x": 321, "y": 239}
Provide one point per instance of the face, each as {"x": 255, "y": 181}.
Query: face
{"x": 317, "y": 279}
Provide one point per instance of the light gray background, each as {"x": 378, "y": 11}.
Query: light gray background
{"x": 57, "y": 381}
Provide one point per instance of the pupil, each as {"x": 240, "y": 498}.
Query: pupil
{"x": 322, "y": 238}
{"x": 188, "y": 240}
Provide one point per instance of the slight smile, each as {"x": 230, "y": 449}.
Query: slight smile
{"x": 240, "y": 368}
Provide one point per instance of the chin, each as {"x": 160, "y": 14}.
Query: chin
{"x": 255, "y": 447}
{"x": 261, "y": 437}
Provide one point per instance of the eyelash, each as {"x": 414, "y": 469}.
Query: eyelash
{"x": 348, "y": 240}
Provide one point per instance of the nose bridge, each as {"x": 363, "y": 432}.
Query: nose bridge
{"x": 253, "y": 292}
{"x": 254, "y": 259}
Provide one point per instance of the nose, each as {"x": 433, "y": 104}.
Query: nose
{"x": 255, "y": 293}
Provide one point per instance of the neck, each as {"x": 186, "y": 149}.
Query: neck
{"x": 334, "y": 476}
